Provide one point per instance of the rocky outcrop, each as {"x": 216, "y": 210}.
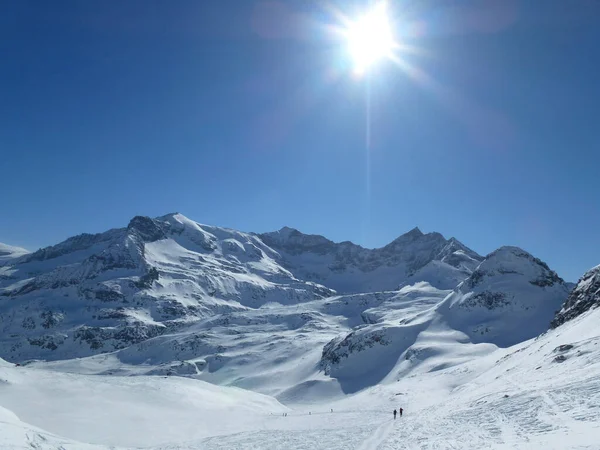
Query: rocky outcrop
{"x": 585, "y": 296}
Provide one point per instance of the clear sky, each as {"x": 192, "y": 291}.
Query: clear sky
{"x": 246, "y": 114}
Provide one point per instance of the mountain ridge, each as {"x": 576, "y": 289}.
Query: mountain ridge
{"x": 342, "y": 266}
{"x": 170, "y": 287}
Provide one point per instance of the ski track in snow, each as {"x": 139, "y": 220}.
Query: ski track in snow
{"x": 379, "y": 436}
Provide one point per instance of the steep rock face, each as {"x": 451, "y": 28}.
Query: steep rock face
{"x": 585, "y": 296}
{"x": 512, "y": 296}
{"x": 102, "y": 292}
{"x": 350, "y": 268}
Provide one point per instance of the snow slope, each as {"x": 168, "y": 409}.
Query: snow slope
{"x": 8, "y": 253}
{"x": 129, "y": 411}
{"x": 540, "y": 394}
{"x": 509, "y": 298}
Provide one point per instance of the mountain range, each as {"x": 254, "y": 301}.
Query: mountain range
{"x": 97, "y": 293}
{"x": 292, "y": 316}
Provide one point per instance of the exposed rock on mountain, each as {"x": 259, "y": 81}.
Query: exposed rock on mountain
{"x": 511, "y": 297}
{"x": 350, "y": 268}
{"x": 97, "y": 293}
{"x": 584, "y": 297}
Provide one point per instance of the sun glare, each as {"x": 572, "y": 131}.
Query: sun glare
{"x": 370, "y": 38}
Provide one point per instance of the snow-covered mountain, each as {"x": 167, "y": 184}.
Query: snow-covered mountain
{"x": 511, "y": 297}
{"x": 423, "y": 323}
{"x": 585, "y": 296}
{"x": 9, "y": 253}
{"x": 350, "y": 268}
{"x": 107, "y": 291}
{"x": 97, "y": 293}
{"x": 170, "y": 289}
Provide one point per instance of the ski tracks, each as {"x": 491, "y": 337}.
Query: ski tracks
{"x": 378, "y": 437}
{"x": 555, "y": 409}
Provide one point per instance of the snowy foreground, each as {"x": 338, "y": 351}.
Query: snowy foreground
{"x": 539, "y": 394}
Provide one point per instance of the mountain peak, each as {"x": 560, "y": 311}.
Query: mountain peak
{"x": 296, "y": 241}
{"x": 511, "y": 256}
{"x": 509, "y": 249}
{"x": 283, "y": 235}
{"x": 416, "y": 231}
{"x": 285, "y": 230}
{"x": 508, "y": 281}
{"x": 410, "y": 236}
{"x": 172, "y": 215}
{"x": 513, "y": 261}
{"x": 148, "y": 229}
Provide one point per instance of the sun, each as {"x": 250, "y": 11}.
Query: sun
{"x": 370, "y": 38}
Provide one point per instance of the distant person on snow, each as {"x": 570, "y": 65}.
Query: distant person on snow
{"x": 395, "y": 412}
{"x": 401, "y": 411}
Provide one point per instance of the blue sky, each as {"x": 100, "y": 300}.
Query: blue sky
{"x": 246, "y": 114}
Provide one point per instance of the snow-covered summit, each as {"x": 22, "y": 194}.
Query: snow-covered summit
{"x": 295, "y": 242}
{"x": 510, "y": 297}
{"x": 350, "y": 268}
{"x": 584, "y": 297}
{"x": 100, "y": 292}
{"x": 514, "y": 260}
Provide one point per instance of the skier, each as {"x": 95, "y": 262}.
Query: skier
{"x": 401, "y": 411}
{"x": 395, "y": 412}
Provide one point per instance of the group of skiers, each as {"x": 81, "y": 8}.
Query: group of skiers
{"x": 396, "y": 412}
